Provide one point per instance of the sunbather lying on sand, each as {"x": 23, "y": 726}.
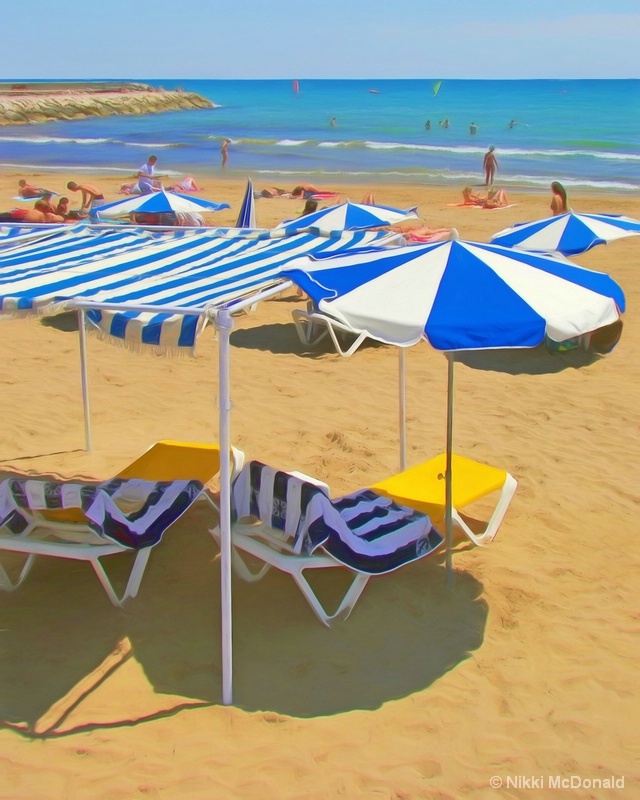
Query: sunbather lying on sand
{"x": 273, "y": 191}
{"x": 29, "y": 215}
{"x": 496, "y": 198}
{"x": 187, "y": 184}
{"x": 29, "y": 191}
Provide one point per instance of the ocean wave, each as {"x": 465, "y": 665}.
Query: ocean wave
{"x": 291, "y": 142}
{"x": 40, "y": 140}
{"x": 462, "y": 149}
{"x": 461, "y": 178}
{"x": 52, "y": 140}
{"x": 81, "y": 168}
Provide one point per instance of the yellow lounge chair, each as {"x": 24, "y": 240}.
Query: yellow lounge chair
{"x": 423, "y": 487}
{"x": 67, "y": 532}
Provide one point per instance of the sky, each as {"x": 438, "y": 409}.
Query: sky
{"x": 253, "y": 39}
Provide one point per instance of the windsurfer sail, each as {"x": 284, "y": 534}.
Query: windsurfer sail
{"x": 436, "y": 87}
{"x": 296, "y": 87}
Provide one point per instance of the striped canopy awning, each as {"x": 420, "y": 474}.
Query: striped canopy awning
{"x": 138, "y": 267}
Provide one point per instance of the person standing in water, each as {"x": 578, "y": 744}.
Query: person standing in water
{"x": 490, "y": 165}
{"x": 223, "y": 151}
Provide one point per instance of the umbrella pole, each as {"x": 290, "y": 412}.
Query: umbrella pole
{"x": 448, "y": 473}
{"x": 402, "y": 365}
{"x": 84, "y": 376}
{"x": 224, "y": 324}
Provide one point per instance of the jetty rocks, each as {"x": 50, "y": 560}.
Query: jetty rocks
{"x": 22, "y": 103}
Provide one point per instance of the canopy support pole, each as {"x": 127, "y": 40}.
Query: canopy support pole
{"x": 82, "y": 330}
{"x": 224, "y": 324}
{"x": 403, "y": 407}
{"x": 448, "y": 478}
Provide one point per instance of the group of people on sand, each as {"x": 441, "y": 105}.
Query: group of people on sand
{"x": 46, "y": 209}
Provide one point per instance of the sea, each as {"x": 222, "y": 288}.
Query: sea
{"x": 583, "y": 133}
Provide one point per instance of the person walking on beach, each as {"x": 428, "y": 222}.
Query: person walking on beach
{"x": 490, "y": 165}
{"x": 559, "y": 199}
{"x": 147, "y": 182}
{"x": 91, "y": 195}
{"x": 223, "y": 151}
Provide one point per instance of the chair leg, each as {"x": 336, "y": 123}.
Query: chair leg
{"x": 133, "y": 583}
{"x": 7, "y": 584}
{"x": 346, "y": 605}
{"x": 309, "y": 332}
{"x": 489, "y": 533}
{"x": 243, "y": 571}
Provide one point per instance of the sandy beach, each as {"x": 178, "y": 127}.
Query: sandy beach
{"x": 525, "y": 670}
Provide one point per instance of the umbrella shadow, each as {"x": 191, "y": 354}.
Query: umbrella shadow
{"x": 281, "y": 338}
{"x": 60, "y": 633}
{"x": 542, "y": 360}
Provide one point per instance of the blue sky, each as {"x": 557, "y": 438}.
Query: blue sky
{"x": 321, "y": 39}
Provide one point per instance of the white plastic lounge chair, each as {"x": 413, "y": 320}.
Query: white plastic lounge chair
{"x": 313, "y": 326}
{"x": 296, "y": 527}
{"x": 423, "y": 487}
{"x": 88, "y": 522}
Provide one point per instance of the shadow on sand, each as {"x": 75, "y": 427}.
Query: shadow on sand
{"x": 282, "y": 338}
{"x": 61, "y": 639}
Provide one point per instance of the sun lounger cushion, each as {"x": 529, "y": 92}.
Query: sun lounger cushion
{"x": 134, "y": 513}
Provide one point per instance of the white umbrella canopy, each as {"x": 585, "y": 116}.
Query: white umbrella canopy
{"x": 569, "y": 234}
{"x": 157, "y": 203}
{"x": 348, "y": 217}
{"x": 459, "y": 296}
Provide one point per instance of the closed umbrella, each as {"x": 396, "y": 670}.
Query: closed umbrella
{"x": 459, "y": 296}
{"x": 569, "y": 234}
{"x": 247, "y": 213}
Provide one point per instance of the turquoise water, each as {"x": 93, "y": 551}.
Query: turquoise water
{"x": 583, "y": 133}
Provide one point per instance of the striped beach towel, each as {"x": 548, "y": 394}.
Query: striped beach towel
{"x": 133, "y": 513}
{"x": 364, "y": 531}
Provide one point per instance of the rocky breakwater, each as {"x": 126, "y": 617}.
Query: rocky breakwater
{"x": 20, "y": 105}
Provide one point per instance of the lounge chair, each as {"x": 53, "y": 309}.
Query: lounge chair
{"x": 423, "y": 488}
{"x": 313, "y": 326}
{"x": 287, "y": 520}
{"x": 88, "y": 522}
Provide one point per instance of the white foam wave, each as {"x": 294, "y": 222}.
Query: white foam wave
{"x": 52, "y": 140}
{"x": 462, "y": 178}
{"x": 291, "y": 142}
{"x": 506, "y": 151}
{"x": 81, "y": 168}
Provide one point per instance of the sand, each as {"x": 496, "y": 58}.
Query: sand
{"x": 524, "y": 672}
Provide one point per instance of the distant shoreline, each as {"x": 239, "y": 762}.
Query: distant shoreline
{"x": 29, "y": 103}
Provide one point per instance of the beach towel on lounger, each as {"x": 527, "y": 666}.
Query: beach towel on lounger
{"x": 133, "y": 513}
{"x": 364, "y": 530}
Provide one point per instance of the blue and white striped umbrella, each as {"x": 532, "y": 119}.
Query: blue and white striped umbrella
{"x": 460, "y": 295}
{"x": 156, "y": 203}
{"x": 569, "y": 234}
{"x": 347, "y": 217}
{"x": 247, "y": 213}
